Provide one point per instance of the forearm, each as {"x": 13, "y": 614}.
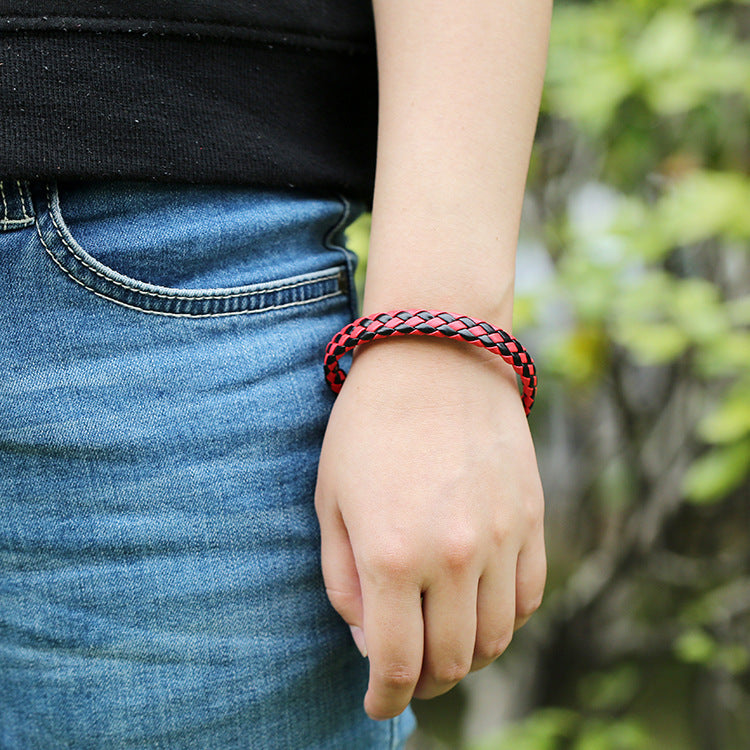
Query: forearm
{"x": 430, "y": 505}
{"x": 459, "y": 84}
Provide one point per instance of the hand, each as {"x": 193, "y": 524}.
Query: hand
{"x": 431, "y": 514}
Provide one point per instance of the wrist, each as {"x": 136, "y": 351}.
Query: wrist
{"x": 498, "y": 312}
{"x": 427, "y": 360}
{"x": 427, "y": 260}
{"x": 429, "y": 323}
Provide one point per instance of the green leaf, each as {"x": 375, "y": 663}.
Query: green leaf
{"x": 706, "y": 204}
{"x": 621, "y": 734}
{"x": 695, "y": 306}
{"x": 525, "y": 312}
{"x": 358, "y": 234}
{"x": 716, "y": 604}
{"x": 542, "y": 730}
{"x": 734, "y": 657}
{"x": 731, "y": 420}
{"x": 358, "y": 239}
{"x": 651, "y": 343}
{"x": 715, "y": 475}
{"x": 728, "y": 355}
{"x": 695, "y": 647}
{"x": 609, "y": 691}
{"x": 667, "y": 43}
{"x": 739, "y": 309}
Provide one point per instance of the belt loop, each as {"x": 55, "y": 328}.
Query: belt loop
{"x": 16, "y": 208}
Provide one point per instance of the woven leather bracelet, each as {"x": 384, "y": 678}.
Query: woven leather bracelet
{"x": 431, "y": 323}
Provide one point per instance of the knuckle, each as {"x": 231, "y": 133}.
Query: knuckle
{"x": 322, "y": 500}
{"x": 341, "y": 601}
{"x": 399, "y": 677}
{"x": 534, "y": 514}
{"x": 451, "y": 672}
{"x": 489, "y": 650}
{"x": 534, "y": 507}
{"x": 392, "y": 561}
{"x": 526, "y": 606}
{"x": 460, "y": 550}
{"x": 500, "y": 532}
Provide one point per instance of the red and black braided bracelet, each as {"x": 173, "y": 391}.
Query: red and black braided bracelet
{"x": 431, "y": 323}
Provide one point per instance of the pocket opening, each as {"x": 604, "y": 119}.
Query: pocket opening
{"x": 82, "y": 267}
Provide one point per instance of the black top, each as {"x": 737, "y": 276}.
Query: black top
{"x": 271, "y": 92}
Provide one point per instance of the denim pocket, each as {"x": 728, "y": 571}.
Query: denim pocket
{"x": 201, "y": 261}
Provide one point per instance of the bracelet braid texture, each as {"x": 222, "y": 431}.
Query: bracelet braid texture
{"x": 431, "y": 323}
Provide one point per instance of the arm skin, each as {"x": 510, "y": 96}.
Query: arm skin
{"x": 428, "y": 495}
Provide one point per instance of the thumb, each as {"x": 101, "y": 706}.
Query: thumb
{"x": 340, "y": 573}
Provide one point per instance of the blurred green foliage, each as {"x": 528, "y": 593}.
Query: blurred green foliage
{"x": 650, "y": 99}
{"x": 637, "y": 224}
{"x": 639, "y": 192}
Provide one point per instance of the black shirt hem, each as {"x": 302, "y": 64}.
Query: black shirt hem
{"x": 194, "y": 108}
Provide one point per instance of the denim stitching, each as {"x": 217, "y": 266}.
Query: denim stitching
{"x": 186, "y": 297}
{"x": 343, "y": 219}
{"x": 179, "y": 315}
{"x": 7, "y": 222}
{"x": 23, "y": 201}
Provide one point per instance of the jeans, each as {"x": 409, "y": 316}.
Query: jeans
{"x": 162, "y": 406}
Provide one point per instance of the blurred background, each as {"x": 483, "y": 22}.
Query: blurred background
{"x": 633, "y": 294}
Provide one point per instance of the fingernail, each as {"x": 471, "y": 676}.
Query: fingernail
{"x": 359, "y": 639}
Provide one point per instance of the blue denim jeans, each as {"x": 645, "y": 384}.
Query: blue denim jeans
{"x": 162, "y": 405}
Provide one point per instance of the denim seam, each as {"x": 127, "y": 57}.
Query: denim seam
{"x": 5, "y": 221}
{"x": 26, "y": 215}
{"x": 342, "y": 220}
{"x": 181, "y": 315}
{"x": 185, "y": 297}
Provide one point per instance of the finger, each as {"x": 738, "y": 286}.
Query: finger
{"x": 450, "y": 617}
{"x": 339, "y": 569}
{"x": 531, "y": 575}
{"x": 394, "y": 632}
{"x": 496, "y": 609}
